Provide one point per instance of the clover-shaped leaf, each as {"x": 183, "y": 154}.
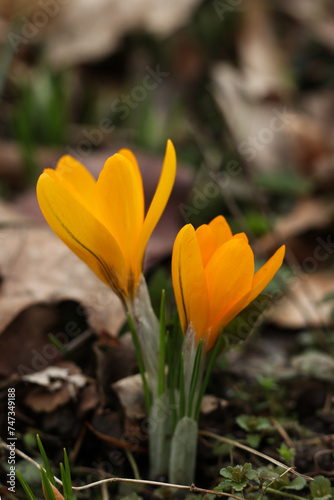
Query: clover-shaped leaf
{"x": 321, "y": 488}
{"x": 237, "y": 477}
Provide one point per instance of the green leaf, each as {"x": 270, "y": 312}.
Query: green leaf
{"x": 253, "y": 440}
{"x": 214, "y": 353}
{"x": 26, "y": 487}
{"x": 69, "y": 493}
{"x": 286, "y": 453}
{"x": 66, "y": 478}
{"x": 297, "y": 484}
{"x": 284, "y": 182}
{"x": 46, "y": 461}
{"x": 194, "y": 377}
{"x": 140, "y": 362}
{"x": 47, "y": 486}
{"x": 251, "y": 423}
{"x": 244, "y": 324}
{"x": 321, "y": 488}
{"x": 162, "y": 343}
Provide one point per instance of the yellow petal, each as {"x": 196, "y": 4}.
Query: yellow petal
{"x": 131, "y": 157}
{"x": 241, "y": 236}
{"x": 74, "y": 173}
{"x": 229, "y": 275}
{"x": 79, "y": 229}
{"x": 206, "y": 242}
{"x": 221, "y": 230}
{"x": 261, "y": 279}
{"x": 189, "y": 281}
{"x": 159, "y": 201}
{"x": 120, "y": 205}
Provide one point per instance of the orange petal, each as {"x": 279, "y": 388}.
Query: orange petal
{"x": 220, "y": 230}
{"x": 241, "y": 236}
{"x": 189, "y": 281}
{"x": 131, "y": 157}
{"x": 261, "y": 279}
{"x": 206, "y": 242}
{"x": 74, "y": 173}
{"x": 79, "y": 229}
{"x": 159, "y": 201}
{"x": 120, "y": 205}
{"x": 229, "y": 275}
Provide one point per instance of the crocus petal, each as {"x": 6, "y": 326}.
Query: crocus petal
{"x": 120, "y": 205}
{"x": 79, "y": 229}
{"x": 229, "y": 275}
{"x": 159, "y": 201}
{"x": 74, "y": 173}
{"x": 206, "y": 242}
{"x": 261, "y": 279}
{"x": 221, "y": 230}
{"x": 131, "y": 157}
{"x": 189, "y": 281}
{"x": 240, "y": 236}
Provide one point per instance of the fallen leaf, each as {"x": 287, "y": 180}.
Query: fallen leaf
{"x": 70, "y": 37}
{"x": 36, "y": 267}
{"x": 56, "y": 386}
{"x": 303, "y": 305}
{"x": 53, "y": 378}
{"x": 131, "y": 396}
{"x": 115, "y": 360}
{"x": 308, "y": 214}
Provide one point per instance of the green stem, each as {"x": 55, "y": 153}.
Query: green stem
{"x": 182, "y": 404}
{"x": 194, "y": 378}
{"x": 284, "y": 494}
{"x": 162, "y": 341}
{"x": 207, "y": 375}
{"x": 140, "y": 363}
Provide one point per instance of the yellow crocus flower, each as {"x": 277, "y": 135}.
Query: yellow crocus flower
{"x": 103, "y": 222}
{"x": 213, "y": 277}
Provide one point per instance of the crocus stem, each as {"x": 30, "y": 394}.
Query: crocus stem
{"x": 147, "y": 329}
{"x": 149, "y": 339}
{"x": 159, "y": 436}
{"x": 183, "y": 452}
{"x": 140, "y": 363}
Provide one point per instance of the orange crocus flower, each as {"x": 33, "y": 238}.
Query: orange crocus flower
{"x": 103, "y": 222}
{"x": 213, "y": 277}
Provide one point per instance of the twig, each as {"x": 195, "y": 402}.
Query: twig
{"x": 283, "y": 433}
{"x": 254, "y": 452}
{"x": 192, "y": 488}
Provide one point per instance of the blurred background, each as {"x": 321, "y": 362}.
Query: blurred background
{"x": 244, "y": 89}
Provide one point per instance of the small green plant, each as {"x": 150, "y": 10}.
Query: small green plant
{"x": 48, "y": 480}
{"x": 287, "y": 454}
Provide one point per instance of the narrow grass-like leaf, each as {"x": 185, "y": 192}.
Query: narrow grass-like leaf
{"x": 66, "y": 478}
{"x": 26, "y": 487}
{"x": 47, "y": 486}
{"x": 140, "y": 363}
{"x": 213, "y": 356}
{"x": 194, "y": 378}
{"x": 162, "y": 341}
{"x": 46, "y": 461}
{"x": 182, "y": 402}
{"x": 67, "y": 486}
{"x": 174, "y": 344}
